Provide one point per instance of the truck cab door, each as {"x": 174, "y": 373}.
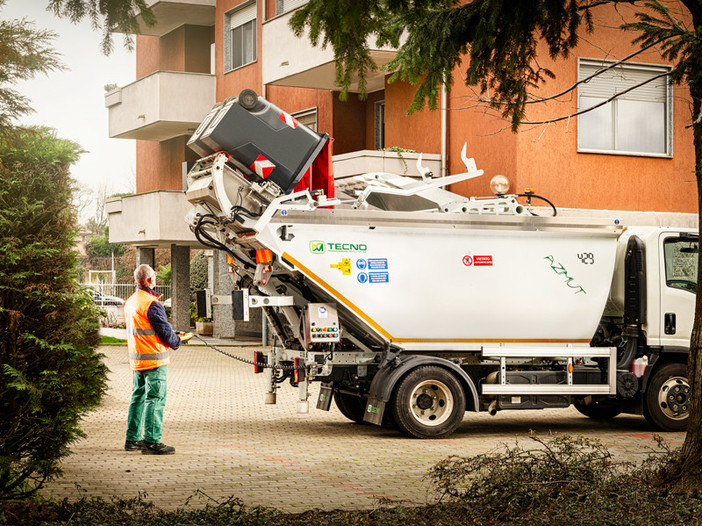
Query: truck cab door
{"x": 678, "y": 284}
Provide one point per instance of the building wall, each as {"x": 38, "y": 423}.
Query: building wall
{"x": 159, "y": 164}
{"x": 292, "y": 100}
{"x": 198, "y": 40}
{"x": 542, "y": 157}
{"x": 350, "y": 120}
{"x": 148, "y": 55}
{"x": 419, "y": 131}
{"x": 545, "y": 157}
{"x": 185, "y": 49}
{"x": 248, "y": 76}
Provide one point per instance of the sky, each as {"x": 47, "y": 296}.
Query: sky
{"x": 72, "y": 101}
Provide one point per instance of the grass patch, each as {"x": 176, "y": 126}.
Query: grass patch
{"x": 110, "y": 340}
{"x": 563, "y": 480}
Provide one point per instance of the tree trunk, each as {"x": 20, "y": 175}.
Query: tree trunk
{"x": 685, "y": 474}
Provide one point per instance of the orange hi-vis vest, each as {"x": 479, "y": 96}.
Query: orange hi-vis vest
{"x": 145, "y": 348}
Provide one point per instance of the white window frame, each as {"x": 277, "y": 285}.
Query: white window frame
{"x": 654, "y": 69}
{"x": 307, "y": 113}
{"x": 245, "y": 13}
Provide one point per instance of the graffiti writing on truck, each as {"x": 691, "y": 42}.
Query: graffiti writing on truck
{"x": 561, "y": 271}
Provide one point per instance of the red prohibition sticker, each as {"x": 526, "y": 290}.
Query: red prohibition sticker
{"x": 477, "y": 261}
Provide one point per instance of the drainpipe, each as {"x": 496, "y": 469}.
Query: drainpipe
{"x": 444, "y": 130}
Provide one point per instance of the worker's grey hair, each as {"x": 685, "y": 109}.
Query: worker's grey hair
{"x": 143, "y": 273}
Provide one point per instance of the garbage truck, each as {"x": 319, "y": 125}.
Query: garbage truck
{"x": 411, "y": 304}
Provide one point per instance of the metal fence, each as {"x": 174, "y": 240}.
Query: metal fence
{"x": 104, "y": 291}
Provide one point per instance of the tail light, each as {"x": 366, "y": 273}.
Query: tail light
{"x": 259, "y": 361}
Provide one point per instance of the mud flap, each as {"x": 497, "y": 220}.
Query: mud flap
{"x": 374, "y": 411}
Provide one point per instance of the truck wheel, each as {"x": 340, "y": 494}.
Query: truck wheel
{"x": 352, "y": 407}
{"x": 428, "y": 403}
{"x": 668, "y": 398}
{"x": 599, "y": 409}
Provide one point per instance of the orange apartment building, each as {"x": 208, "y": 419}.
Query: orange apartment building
{"x": 630, "y": 160}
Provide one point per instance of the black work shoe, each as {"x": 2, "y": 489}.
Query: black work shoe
{"x": 131, "y": 445}
{"x": 157, "y": 449}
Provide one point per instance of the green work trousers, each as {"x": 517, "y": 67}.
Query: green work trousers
{"x": 146, "y": 406}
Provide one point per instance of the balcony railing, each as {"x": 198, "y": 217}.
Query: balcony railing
{"x": 160, "y": 106}
{"x": 294, "y": 62}
{"x": 369, "y": 161}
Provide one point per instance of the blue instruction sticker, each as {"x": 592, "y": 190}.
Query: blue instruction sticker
{"x": 362, "y": 277}
{"x": 361, "y": 264}
{"x": 378, "y": 264}
{"x": 379, "y": 277}
{"x": 283, "y": 213}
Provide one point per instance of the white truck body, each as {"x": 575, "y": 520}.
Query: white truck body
{"x": 413, "y": 304}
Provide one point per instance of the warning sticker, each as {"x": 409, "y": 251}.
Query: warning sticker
{"x": 378, "y": 264}
{"x": 262, "y": 166}
{"x": 378, "y": 277}
{"x": 288, "y": 119}
{"x": 344, "y": 266}
{"x": 477, "y": 261}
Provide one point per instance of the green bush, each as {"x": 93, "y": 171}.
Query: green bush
{"x": 100, "y": 247}
{"x": 198, "y": 272}
{"x": 50, "y": 374}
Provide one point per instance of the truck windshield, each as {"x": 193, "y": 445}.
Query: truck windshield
{"x": 681, "y": 263}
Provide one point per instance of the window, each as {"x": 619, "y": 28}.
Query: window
{"x": 283, "y": 6}
{"x": 379, "y": 125}
{"x": 639, "y": 122}
{"x": 308, "y": 118}
{"x": 240, "y": 37}
{"x": 680, "y": 255}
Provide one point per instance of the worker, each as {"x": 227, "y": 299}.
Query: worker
{"x": 149, "y": 339}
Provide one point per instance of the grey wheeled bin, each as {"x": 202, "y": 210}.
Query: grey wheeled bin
{"x": 263, "y": 141}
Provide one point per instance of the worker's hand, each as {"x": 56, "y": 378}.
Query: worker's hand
{"x": 185, "y": 336}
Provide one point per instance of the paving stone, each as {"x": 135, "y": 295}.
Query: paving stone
{"x": 229, "y": 443}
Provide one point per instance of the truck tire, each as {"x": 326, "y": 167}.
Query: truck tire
{"x": 428, "y": 403}
{"x": 667, "y": 404}
{"x": 599, "y": 409}
{"x": 352, "y": 407}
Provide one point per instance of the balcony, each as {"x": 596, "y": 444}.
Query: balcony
{"x": 150, "y": 219}
{"x": 371, "y": 161}
{"x": 160, "y": 106}
{"x": 175, "y": 13}
{"x": 294, "y": 62}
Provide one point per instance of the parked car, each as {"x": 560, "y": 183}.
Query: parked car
{"x": 104, "y": 300}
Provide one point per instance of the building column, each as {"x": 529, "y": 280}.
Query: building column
{"x": 180, "y": 287}
{"x": 222, "y": 285}
{"x": 146, "y": 256}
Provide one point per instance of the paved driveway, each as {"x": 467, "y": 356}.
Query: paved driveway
{"x": 229, "y": 443}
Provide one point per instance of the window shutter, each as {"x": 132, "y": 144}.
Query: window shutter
{"x": 620, "y": 78}
{"x": 243, "y": 15}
